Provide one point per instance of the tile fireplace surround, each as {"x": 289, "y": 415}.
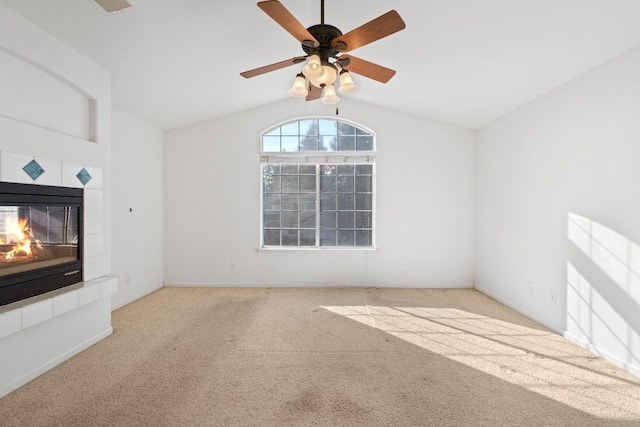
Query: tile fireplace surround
{"x": 40, "y": 332}
{"x": 23, "y": 314}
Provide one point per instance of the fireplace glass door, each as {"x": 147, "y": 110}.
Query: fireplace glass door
{"x": 33, "y": 237}
{"x": 40, "y": 239}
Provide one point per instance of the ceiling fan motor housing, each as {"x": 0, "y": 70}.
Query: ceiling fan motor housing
{"x": 324, "y": 34}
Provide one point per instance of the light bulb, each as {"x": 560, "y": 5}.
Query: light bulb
{"x": 313, "y": 68}
{"x": 328, "y": 76}
{"x": 346, "y": 83}
{"x": 299, "y": 89}
{"x": 330, "y": 96}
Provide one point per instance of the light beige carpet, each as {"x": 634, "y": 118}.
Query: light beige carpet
{"x": 327, "y": 357}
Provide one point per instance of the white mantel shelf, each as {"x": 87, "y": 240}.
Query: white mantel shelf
{"x": 23, "y": 314}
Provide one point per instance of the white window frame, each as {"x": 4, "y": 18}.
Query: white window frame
{"x": 319, "y": 158}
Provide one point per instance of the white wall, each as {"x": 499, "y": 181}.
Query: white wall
{"x": 137, "y": 207}
{"x": 425, "y": 204}
{"x": 558, "y": 201}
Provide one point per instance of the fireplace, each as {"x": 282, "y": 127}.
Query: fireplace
{"x": 41, "y": 237}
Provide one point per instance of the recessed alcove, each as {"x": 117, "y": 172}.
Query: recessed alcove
{"x": 37, "y": 96}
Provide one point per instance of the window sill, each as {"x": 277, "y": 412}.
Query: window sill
{"x": 314, "y": 249}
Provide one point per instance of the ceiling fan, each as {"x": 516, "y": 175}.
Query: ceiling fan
{"x": 325, "y": 46}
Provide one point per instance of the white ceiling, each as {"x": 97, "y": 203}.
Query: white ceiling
{"x": 466, "y": 62}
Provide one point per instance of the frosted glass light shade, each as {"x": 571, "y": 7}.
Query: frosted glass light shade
{"x": 346, "y": 83}
{"x": 328, "y": 76}
{"x": 330, "y": 96}
{"x": 313, "y": 68}
{"x": 299, "y": 89}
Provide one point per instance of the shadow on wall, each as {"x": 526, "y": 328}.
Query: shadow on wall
{"x": 603, "y": 290}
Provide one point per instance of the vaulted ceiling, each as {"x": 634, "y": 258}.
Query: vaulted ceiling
{"x": 466, "y": 62}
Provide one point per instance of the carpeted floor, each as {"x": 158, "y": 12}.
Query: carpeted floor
{"x": 327, "y": 357}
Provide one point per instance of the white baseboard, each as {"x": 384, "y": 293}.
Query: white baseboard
{"x": 555, "y": 328}
{"x": 135, "y": 297}
{"x": 315, "y": 285}
{"x": 629, "y": 367}
{"x": 14, "y": 385}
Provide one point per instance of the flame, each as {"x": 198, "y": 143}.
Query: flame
{"x": 17, "y": 232}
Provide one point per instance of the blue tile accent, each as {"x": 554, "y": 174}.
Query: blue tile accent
{"x": 83, "y": 176}
{"x": 33, "y": 169}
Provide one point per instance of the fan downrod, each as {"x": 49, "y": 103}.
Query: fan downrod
{"x": 324, "y": 34}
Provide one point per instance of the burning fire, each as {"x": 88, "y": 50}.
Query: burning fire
{"x": 17, "y": 232}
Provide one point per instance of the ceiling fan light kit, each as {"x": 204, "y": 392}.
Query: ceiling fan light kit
{"x": 328, "y": 76}
{"x": 323, "y": 45}
{"x": 330, "y": 96}
{"x": 313, "y": 68}
{"x": 299, "y": 88}
{"x": 346, "y": 82}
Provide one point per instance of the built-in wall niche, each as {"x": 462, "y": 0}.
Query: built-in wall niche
{"x": 36, "y": 96}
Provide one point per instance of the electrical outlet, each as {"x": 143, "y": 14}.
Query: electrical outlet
{"x": 554, "y": 297}
{"x": 530, "y": 288}
{"x": 401, "y": 266}
{"x": 232, "y": 266}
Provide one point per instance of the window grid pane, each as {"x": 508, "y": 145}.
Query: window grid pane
{"x": 289, "y": 211}
{"x": 351, "y": 223}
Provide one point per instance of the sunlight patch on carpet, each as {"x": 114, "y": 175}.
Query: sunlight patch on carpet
{"x": 540, "y": 361}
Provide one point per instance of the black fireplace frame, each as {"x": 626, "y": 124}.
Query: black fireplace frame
{"x": 20, "y": 286}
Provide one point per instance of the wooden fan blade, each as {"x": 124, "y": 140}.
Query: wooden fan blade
{"x": 368, "y": 69}
{"x": 272, "y": 67}
{"x": 380, "y": 27}
{"x": 282, "y": 16}
{"x": 314, "y": 93}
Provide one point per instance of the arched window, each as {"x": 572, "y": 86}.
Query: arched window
{"x": 318, "y": 185}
